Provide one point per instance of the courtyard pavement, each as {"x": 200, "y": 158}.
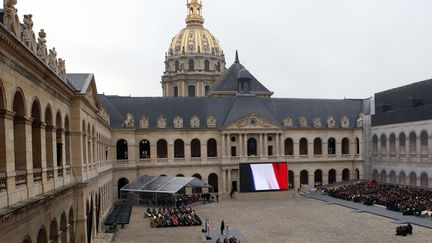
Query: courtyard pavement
{"x": 301, "y": 219}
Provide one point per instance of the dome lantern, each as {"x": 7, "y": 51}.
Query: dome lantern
{"x": 194, "y": 16}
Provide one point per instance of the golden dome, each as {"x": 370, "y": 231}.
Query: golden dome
{"x": 194, "y": 39}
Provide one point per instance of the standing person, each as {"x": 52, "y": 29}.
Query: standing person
{"x": 222, "y": 227}
{"x": 217, "y": 197}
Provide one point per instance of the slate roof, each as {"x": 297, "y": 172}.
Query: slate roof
{"x": 79, "y": 81}
{"x": 229, "y": 109}
{"x": 228, "y": 81}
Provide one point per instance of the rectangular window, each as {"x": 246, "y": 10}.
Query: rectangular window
{"x": 207, "y": 89}
{"x": 191, "y": 91}
{"x": 233, "y": 151}
{"x": 270, "y": 150}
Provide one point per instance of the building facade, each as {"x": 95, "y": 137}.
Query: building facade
{"x": 65, "y": 150}
{"x": 401, "y": 135}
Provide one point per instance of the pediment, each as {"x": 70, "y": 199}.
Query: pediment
{"x": 92, "y": 95}
{"x": 253, "y": 121}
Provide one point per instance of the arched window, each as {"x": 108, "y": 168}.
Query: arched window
{"x": 424, "y": 180}
{"x": 345, "y": 175}
{"x": 71, "y": 226}
{"x": 42, "y": 235}
{"x": 424, "y": 143}
{"x": 357, "y": 146}
{"x": 213, "y": 181}
{"x": 345, "y": 146}
{"x": 318, "y": 178}
{"x": 413, "y": 143}
{"x": 291, "y": 179}
{"x": 211, "y": 148}
{"x": 332, "y": 176}
{"x": 20, "y": 136}
{"x": 303, "y": 146}
{"x": 177, "y": 66}
{"x": 191, "y": 90}
{"x": 357, "y": 171}
{"x": 195, "y": 148}
{"x": 144, "y": 149}
{"x": 383, "y": 144}
{"x": 191, "y": 65}
{"x": 63, "y": 227}
{"x": 289, "y": 146}
{"x": 206, "y": 65}
{"x": 27, "y": 239}
{"x": 36, "y": 138}
{"x": 53, "y": 231}
{"x": 402, "y": 141}
{"x": 252, "y": 147}
{"x": 413, "y": 179}
{"x": 59, "y": 140}
{"x": 392, "y": 176}
{"x": 383, "y": 177}
{"x": 317, "y": 146}
{"x": 178, "y": 148}
{"x": 67, "y": 141}
{"x": 402, "y": 178}
{"x": 218, "y": 67}
{"x": 392, "y": 143}
{"x": 375, "y": 144}
{"x": 304, "y": 177}
{"x": 162, "y": 149}
{"x": 331, "y": 145}
{"x": 122, "y": 149}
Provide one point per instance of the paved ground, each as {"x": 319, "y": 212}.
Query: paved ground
{"x": 297, "y": 220}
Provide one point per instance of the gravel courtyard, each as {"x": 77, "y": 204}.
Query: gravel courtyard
{"x": 296, "y": 220}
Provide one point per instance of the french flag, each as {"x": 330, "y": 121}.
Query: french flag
{"x": 272, "y": 176}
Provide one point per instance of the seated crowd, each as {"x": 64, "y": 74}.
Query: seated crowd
{"x": 231, "y": 239}
{"x": 408, "y": 200}
{"x": 173, "y": 217}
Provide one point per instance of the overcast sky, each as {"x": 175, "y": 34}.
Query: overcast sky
{"x": 296, "y": 48}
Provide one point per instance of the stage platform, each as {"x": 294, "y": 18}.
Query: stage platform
{"x": 278, "y": 195}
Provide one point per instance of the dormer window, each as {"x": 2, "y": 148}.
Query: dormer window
{"x": 244, "y": 86}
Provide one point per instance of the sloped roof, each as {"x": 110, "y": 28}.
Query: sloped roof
{"x": 229, "y": 109}
{"x": 228, "y": 82}
{"x": 79, "y": 81}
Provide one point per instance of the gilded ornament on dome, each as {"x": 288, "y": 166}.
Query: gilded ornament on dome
{"x": 161, "y": 122}
{"x": 178, "y": 122}
{"x": 303, "y": 122}
{"x": 331, "y": 123}
{"x": 195, "y": 122}
{"x": 144, "y": 122}
{"x": 288, "y": 122}
{"x": 129, "y": 122}
{"x": 345, "y": 122}
{"x": 317, "y": 122}
{"x": 211, "y": 122}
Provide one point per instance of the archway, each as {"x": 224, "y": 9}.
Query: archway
{"x": 71, "y": 226}
{"x": 121, "y": 183}
{"x": 392, "y": 144}
{"x": 424, "y": 143}
{"x": 36, "y": 140}
{"x": 122, "y": 149}
{"x": 178, "y": 148}
{"x": 345, "y": 175}
{"x": 413, "y": 179}
{"x": 383, "y": 140}
{"x": 63, "y": 228}
{"x": 27, "y": 239}
{"x": 162, "y": 149}
{"x": 67, "y": 141}
{"x": 357, "y": 171}
{"x": 332, "y": 176}
{"x": 42, "y": 235}
{"x": 318, "y": 178}
{"x": 317, "y": 146}
{"x": 20, "y": 135}
{"x": 252, "y": 147}
{"x": 197, "y": 190}
{"x": 54, "y": 231}
{"x": 375, "y": 175}
{"x": 49, "y": 130}
{"x": 144, "y": 149}
{"x": 383, "y": 178}
{"x": 392, "y": 177}
{"x": 179, "y": 175}
{"x": 413, "y": 143}
{"x": 213, "y": 181}
{"x": 357, "y": 146}
{"x": 375, "y": 144}
{"x": 291, "y": 179}
{"x": 424, "y": 180}
{"x": 289, "y": 146}
{"x": 304, "y": 177}
{"x": 89, "y": 222}
{"x": 59, "y": 140}
{"x": 402, "y": 143}
{"x": 402, "y": 178}
{"x": 195, "y": 148}
{"x": 211, "y": 148}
